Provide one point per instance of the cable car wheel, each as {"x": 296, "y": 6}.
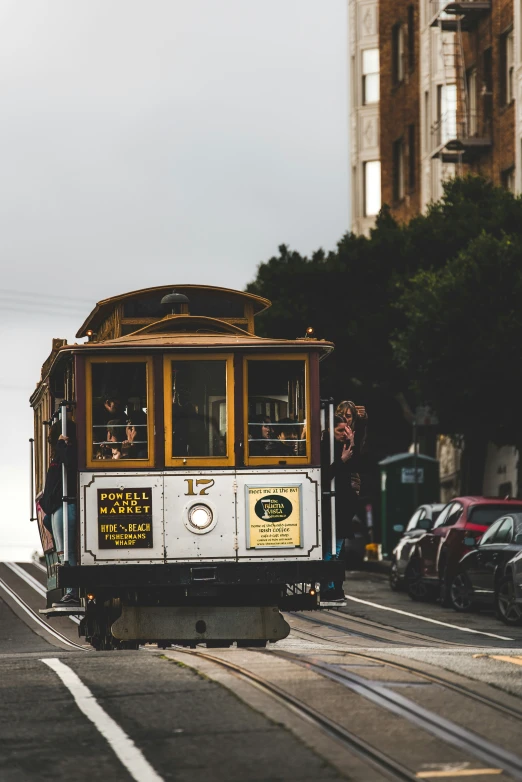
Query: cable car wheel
{"x": 98, "y": 627}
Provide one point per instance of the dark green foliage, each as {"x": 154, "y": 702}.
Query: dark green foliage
{"x": 430, "y": 309}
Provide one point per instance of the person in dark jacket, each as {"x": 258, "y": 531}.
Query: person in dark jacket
{"x": 63, "y": 452}
{"x": 345, "y": 498}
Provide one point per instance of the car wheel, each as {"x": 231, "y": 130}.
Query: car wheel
{"x": 505, "y": 607}
{"x": 461, "y": 593}
{"x": 415, "y": 585}
{"x": 395, "y": 581}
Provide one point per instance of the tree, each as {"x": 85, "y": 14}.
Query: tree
{"x": 440, "y": 284}
{"x": 461, "y": 343}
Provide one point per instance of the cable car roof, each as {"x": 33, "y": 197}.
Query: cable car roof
{"x": 107, "y": 307}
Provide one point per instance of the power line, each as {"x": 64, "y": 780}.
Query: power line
{"x": 38, "y": 295}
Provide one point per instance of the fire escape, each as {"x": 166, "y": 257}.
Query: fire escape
{"x": 461, "y": 132}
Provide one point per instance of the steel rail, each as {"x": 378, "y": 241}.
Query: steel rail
{"x": 358, "y": 746}
{"x": 344, "y": 630}
{"x": 34, "y": 616}
{"x": 33, "y": 583}
{"x": 509, "y": 711}
{"x": 348, "y": 631}
{"x": 451, "y": 733}
{"x": 414, "y": 636}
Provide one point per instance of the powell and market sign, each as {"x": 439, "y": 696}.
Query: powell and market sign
{"x": 124, "y": 518}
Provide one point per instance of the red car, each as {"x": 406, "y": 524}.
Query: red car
{"x": 434, "y": 558}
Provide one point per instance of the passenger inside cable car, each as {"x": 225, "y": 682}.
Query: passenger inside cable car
{"x": 119, "y": 395}
{"x": 276, "y": 408}
{"x": 199, "y": 412}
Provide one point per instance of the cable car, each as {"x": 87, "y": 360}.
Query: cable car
{"x": 198, "y": 483}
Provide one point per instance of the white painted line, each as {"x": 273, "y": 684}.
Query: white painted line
{"x": 36, "y": 618}
{"x": 463, "y": 772}
{"x": 39, "y": 566}
{"x": 33, "y": 582}
{"x": 427, "y": 619}
{"x": 123, "y": 747}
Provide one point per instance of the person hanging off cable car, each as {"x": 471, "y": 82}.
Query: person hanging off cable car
{"x": 349, "y": 440}
{"x": 63, "y": 452}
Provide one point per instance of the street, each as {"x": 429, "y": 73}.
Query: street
{"x": 381, "y": 689}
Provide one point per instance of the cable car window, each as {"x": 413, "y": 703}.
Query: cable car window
{"x": 277, "y": 409}
{"x": 197, "y": 418}
{"x": 119, "y": 416}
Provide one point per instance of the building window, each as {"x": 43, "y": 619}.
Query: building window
{"x": 427, "y": 121}
{"x": 355, "y": 99}
{"x": 372, "y": 187}
{"x": 507, "y": 67}
{"x": 446, "y": 113}
{"x": 370, "y": 76}
{"x": 487, "y": 89}
{"x": 471, "y": 89}
{"x": 508, "y": 179}
{"x": 397, "y": 53}
{"x": 411, "y": 158}
{"x": 411, "y": 37}
{"x": 398, "y": 170}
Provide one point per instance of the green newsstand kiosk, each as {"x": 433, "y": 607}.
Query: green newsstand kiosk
{"x": 399, "y": 498}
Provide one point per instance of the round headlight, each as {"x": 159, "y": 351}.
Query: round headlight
{"x": 200, "y": 516}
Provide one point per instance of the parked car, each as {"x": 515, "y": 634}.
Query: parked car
{"x": 421, "y": 521}
{"x": 435, "y": 556}
{"x": 508, "y": 594}
{"x": 482, "y": 576}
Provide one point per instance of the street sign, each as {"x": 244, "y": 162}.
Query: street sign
{"x": 408, "y": 475}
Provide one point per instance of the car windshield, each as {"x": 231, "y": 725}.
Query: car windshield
{"x": 435, "y": 515}
{"x": 487, "y": 514}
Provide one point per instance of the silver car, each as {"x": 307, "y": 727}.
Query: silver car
{"x": 421, "y": 521}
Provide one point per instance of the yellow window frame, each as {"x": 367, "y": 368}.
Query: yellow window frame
{"x": 290, "y": 460}
{"x": 198, "y": 461}
{"x": 119, "y": 464}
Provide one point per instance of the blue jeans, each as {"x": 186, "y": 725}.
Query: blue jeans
{"x": 328, "y": 556}
{"x": 57, "y": 524}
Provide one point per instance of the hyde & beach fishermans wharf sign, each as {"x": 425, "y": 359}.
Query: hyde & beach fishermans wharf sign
{"x": 124, "y": 518}
{"x": 274, "y": 516}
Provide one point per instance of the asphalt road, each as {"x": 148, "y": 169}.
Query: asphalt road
{"x": 71, "y": 713}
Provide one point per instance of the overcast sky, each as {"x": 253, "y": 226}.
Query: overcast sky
{"x": 148, "y": 143}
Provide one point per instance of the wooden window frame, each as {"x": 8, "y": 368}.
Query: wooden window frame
{"x": 277, "y": 459}
{"x": 119, "y": 464}
{"x": 198, "y": 461}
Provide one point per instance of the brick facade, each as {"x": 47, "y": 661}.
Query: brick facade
{"x": 400, "y": 106}
{"x": 410, "y": 100}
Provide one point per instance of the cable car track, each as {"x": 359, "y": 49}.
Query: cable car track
{"x": 358, "y": 746}
{"x": 36, "y": 618}
{"x": 367, "y": 636}
{"x": 385, "y": 697}
{"x": 461, "y": 689}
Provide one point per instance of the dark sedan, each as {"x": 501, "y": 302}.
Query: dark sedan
{"x": 421, "y": 521}
{"x": 481, "y": 572}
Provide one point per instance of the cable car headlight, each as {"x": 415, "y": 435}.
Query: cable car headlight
{"x": 200, "y": 517}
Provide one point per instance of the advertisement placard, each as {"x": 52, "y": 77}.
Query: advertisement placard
{"x": 274, "y": 516}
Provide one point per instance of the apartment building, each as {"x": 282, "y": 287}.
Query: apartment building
{"x": 364, "y": 113}
{"x": 447, "y": 101}
{"x": 450, "y": 75}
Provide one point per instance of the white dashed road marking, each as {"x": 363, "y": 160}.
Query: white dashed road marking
{"x": 124, "y": 748}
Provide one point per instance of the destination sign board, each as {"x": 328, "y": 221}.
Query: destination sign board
{"x": 124, "y": 518}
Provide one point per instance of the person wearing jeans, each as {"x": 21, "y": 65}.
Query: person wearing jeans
{"x": 63, "y": 453}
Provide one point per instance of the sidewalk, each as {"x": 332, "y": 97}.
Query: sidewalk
{"x": 377, "y": 566}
